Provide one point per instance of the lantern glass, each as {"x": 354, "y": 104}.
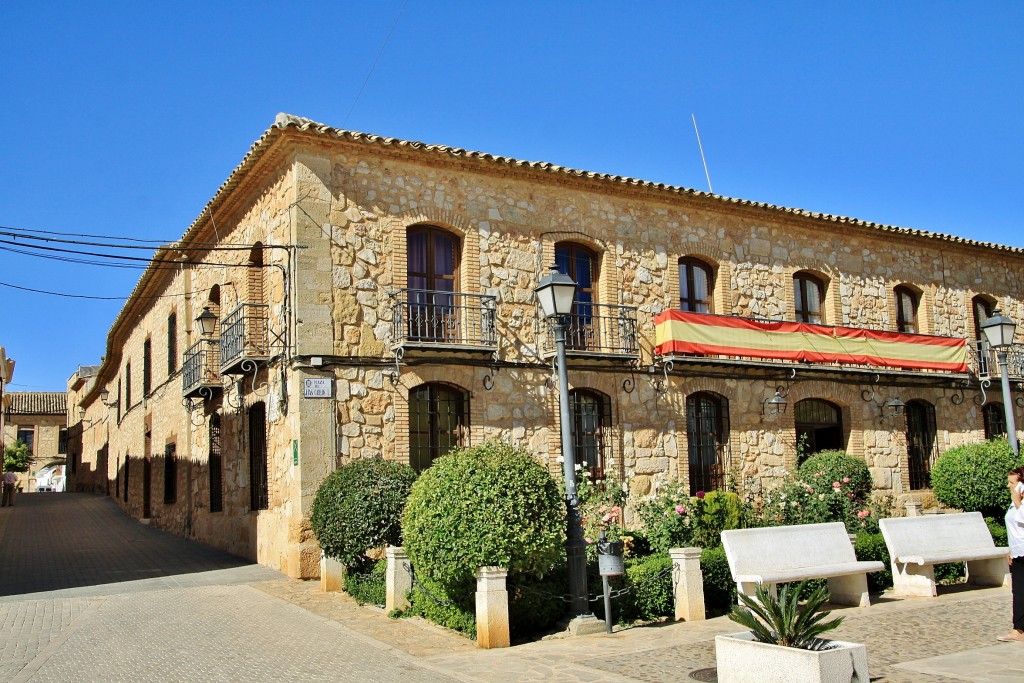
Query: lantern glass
{"x": 555, "y": 293}
{"x": 207, "y": 321}
{"x": 999, "y": 329}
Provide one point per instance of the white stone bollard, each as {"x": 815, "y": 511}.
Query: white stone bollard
{"x": 491, "y": 608}
{"x": 332, "y": 574}
{"x": 398, "y": 580}
{"x": 913, "y": 508}
{"x": 688, "y": 584}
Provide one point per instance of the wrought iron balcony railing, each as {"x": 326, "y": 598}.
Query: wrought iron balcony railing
{"x": 200, "y": 367}
{"x": 985, "y": 364}
{"x": 436, "y": 319}
{"x": 243, "y": 337}
{"x": 596, "y": 329}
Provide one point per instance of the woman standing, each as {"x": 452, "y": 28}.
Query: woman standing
{"x": 1015, "y": 534}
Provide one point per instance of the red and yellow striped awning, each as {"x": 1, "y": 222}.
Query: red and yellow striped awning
{"x": 678, "y": 332}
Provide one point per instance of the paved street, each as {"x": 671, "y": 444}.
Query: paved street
{"x": 87, "y": 594}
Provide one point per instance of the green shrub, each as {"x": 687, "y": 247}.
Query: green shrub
{"x": 368, "y": 587}
{"x": 973, "y": 477}
{"x": 998, "y": 531}
{"x": 871, "y": 547}
{"x": 822, "y": 469}
{"x": 719, "y": 588}
{"x": 674, "y": 519}
{"x": 651, "y": 595}
{"x": 950, "y": 573}
{"x": 359, "y": 507}
{"x": 490, "y": 505}
{"x": 437, "y": 609}
{"x": 533, "y": 605}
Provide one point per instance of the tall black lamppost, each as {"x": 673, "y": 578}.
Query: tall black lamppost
{"x": 555, "y": 293}
{"x": 999, "y": 331}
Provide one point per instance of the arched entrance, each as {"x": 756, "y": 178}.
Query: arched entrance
{"x": 819, "y": 427}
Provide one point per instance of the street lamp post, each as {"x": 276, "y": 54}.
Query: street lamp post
{"x": 555, "y": 294}
{"x": 999, "y": 331}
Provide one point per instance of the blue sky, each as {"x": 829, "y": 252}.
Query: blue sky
{"x": 124, "y": 118}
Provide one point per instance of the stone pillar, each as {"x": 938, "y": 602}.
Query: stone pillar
{"x": 491, "y": 608}
{"x": 687, "y": 583}
{"x": 913, "y": 508}
{"x": 398, "y": 580}
{"x": 332, "y": 574}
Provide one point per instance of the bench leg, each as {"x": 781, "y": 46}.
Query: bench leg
{"x": 851, "y": 589}
{"x": 989, "y": 572}
{"x": 913, "y": 580}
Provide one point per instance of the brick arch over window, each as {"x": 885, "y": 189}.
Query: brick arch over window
{"x": 433, "y": 256}
{"x": 809, "y": 297}
{"x": 908, "y": 302}
{"x": 469, "y": 240}
{"x": 438, "y": 422}
{"x": 819, "y": 426}
{"x": 993, "y": 418}
{"x": 982, "y": 307}
{"x": 707, "y": 436}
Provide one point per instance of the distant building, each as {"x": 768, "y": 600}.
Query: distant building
{"x": 374, "y": 298}
{"x": 39, "y": 420}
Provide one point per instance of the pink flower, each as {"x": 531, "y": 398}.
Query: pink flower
{"x": 863, "y": 513}
{"x": 700, "y": 494}
{"x": 680, "y": 509}
{"x": 588, "y": 540}
{"x": 836, "y": 485}
{"x": 851, "y": 496}
{"x": 846, "y": 480}
{"x": 666, "y": 513}
{"x": 810, "y": 490}
{"x": 607, "y": 518}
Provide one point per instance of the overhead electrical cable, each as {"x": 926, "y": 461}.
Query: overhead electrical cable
{"x": 88, "y": 296}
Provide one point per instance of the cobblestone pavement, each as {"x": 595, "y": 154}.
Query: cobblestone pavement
{"x": 144, "y": 605}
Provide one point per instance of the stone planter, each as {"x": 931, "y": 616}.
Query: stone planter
{"x": 741, "y": 659}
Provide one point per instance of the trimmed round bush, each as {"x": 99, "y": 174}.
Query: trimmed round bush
{"x": 490, "y": 505}
{"x": 973, "y": 477}
{"x": 831, "y": 466}
{"x": 359, "y": 507}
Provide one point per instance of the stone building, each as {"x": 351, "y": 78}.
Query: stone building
{"x": 373, "y": 297}
{"x": 39, "y": 420}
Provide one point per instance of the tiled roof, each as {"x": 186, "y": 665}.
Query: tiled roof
{"x": 38, "y": 403}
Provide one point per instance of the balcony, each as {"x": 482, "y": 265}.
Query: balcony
{"x": 985, "y": 364}
{"x": 446, "y": 322}
{"x": 243, "y": 339}
{"x": 720, "y": 340}
{"x": 595, "y": 332}
{"x": 200, "y": 369}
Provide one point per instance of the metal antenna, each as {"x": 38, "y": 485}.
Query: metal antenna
{"x": 701, "y": 147}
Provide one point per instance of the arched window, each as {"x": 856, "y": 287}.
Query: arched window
{"x": 216, "y": 466}
{"x": 707, "y": 432}
{"x": 808, "y": 297}
{"x": 995, "y": 420}
{"x": 907, "y": 301}
{"x": 819, "y": 427}
{"x": 259, "y": 498}
{"x": 921, "y": 438}
{"x": 591, "y": 422}
{"x": 696, "y": 285}
{"x": 438, "y": 422}
{"x": 581, "y": 264}
{"x": 254, "y": 274}
{"x": 432, "y": 263}
{"x": 982, "y": 307}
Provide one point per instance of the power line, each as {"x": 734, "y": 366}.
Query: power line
{"x": 169, "y": 246}
{"x": 87, "y": 296}
{"x": 374, "y": 65}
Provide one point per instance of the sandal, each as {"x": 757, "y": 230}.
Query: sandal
{"x": 1012, "y": 637}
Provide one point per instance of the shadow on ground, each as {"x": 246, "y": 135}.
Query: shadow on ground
{"x": 53, "y": 541}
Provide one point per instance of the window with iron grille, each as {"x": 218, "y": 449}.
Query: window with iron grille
{"x": 259, "y": 498}
{"x": 438, "y": 422}
{"x": 808, "y": 295}
{"x": 982, "y": 312}
{"x": 696, "y": 285}
{"x": 432, "y": 264}
{"x": 582, "y": 265}
{"x": 591, "y": 424}
{"x": 62, "y": 440}
{"x": 170, "y": 473}
{"x": 172, "y": 344}
{"x": 921, "y": 440}
{"x": 147, "y": 367}
{"x": 707, "y": 432}
{"x": 995, "y": 420}
{"x": 906, "y": 309}
{"x": 216, "y": 465}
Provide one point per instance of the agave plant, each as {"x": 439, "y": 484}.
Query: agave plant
{"x": 783, "y": 620}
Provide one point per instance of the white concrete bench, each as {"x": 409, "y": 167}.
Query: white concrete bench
{"x": 917, "y": 544}
{"x": 782, "y": 554}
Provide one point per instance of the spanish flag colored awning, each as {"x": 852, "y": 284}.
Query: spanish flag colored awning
{"x": 678, "y": 332}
